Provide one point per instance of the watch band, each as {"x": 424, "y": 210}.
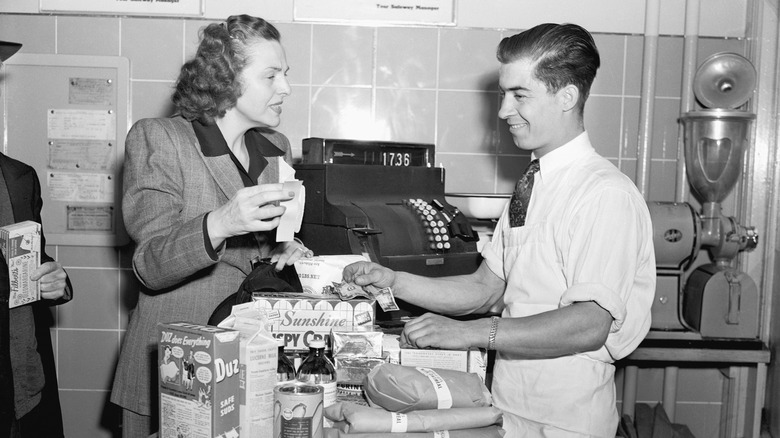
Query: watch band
{"x": 493, "y": 329}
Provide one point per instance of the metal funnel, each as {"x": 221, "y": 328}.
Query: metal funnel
{"x": 715, "y": 140}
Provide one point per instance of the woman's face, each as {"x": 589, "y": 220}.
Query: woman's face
{"x": 264, "y": 83}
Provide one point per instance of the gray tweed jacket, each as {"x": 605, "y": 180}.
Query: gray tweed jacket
{"x": 169, "y": 185}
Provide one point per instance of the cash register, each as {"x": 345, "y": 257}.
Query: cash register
{"x": 384, "y": 200}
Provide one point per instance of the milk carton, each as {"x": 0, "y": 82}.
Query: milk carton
{"x": 21, "y": 247}
{"x": 258, "y": 359}
{"x": 198, "y": 381}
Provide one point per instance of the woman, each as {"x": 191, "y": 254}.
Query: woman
{"x": 201, "y": 196}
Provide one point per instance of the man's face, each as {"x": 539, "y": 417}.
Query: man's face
{"x": 534, "y": 116}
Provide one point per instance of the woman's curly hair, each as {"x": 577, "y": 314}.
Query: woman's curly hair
{"x": 209, "y": 84}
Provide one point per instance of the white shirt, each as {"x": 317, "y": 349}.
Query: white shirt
{"x": 587, "y": 237}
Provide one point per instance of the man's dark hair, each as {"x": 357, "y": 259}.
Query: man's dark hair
{"x": 564, "y": 54}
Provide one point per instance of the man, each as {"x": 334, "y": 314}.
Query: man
{"x": 571, "y": 264}
{"x": 29, "y": 398}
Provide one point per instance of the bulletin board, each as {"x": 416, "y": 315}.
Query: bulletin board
{"x": 67, "y": 116}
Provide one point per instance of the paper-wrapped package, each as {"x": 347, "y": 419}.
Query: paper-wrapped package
{"x": 399, "y": 388}
{"x": 482, "y": 432}
{"x": 353, "y": 418}
{"x": 319, "y": 275}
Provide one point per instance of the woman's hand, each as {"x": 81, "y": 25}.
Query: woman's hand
{"x": 287, "y": 253}
{"x": 251, "y": 209}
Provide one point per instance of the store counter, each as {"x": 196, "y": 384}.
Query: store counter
{"x": 743, "y": 362}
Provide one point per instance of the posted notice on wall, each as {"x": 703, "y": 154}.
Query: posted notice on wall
{"x": 80, "y": 187}
{"x": 434, "y": 12}
{"x": 145, "y": 7}
{"x": 81, "y": 124}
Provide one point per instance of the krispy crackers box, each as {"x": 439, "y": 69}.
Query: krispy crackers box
{"x": 198, "y": 380}
{"x": 21, "y": 247}
{"x": 299, "y": 318}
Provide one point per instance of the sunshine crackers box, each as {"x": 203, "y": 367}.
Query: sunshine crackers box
{"x": 299, "y": 318}
{"x": 198, "y": 381}
{"x": 21, "y": 247}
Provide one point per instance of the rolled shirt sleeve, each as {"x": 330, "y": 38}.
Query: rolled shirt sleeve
{"x": 611, "y": 262}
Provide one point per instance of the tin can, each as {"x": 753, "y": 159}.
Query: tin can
{"x": 298, "y": 411}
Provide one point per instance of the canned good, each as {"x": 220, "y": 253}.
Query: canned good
{"x": 298, "y": 411}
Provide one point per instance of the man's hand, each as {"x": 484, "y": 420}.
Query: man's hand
{"x": 365, "y": 273}
{"x": 435, "y": 331}
{"x": 52, "y": 279}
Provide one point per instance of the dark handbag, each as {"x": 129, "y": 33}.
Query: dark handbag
{"x": 263, "y": 278}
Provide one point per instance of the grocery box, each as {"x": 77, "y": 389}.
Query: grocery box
{"x": 257, "y": 362}
{"x": 299, "y": 318}
{"x": 470, "y": 361}
{"x": 21, "y": 247}
{"x": 198, "y": 380}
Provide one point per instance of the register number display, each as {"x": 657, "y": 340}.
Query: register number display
{"x": 391, "y": 154}
{"x": 378, "y": 155}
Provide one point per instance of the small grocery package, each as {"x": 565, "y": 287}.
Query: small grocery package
{"x": 355, "y": 353}
{"x": 357, "y": 341}
{"x": 21, "y": 247}
{"x": 321, "y": 274}
{"x": 198, "y": 380}
{"x": 257, "y": 362}
{"x": 471, "y": 361}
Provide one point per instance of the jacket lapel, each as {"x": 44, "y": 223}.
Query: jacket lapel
{"x": 224, "y": 173}
{"x": 220, "y": 166}
{"x": 270, "y": 174}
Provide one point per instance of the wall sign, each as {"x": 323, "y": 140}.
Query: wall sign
{"x": 144, "y": 7}
{"x": 434, "y": 12}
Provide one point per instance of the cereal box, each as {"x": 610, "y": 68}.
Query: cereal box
{"x": 300, "y": 318}
{"x": 198, "y": 380}
{"x": 21, "y": 246}
{"x": 257, "y": 362}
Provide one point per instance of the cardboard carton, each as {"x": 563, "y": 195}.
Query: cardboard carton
{"x": 470, "y": 361}
{"x": 198, "y": 381}
{"x": 257, "y": 361}
{"x": 300, "y": 318}
{"x": 21, "y": 247}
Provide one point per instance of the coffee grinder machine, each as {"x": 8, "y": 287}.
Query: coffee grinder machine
{"x": 717, "y": 300}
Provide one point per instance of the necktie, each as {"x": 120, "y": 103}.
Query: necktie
{"x": 518, "y": 206}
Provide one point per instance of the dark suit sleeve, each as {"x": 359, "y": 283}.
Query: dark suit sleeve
{"x": 36, "y": 205}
